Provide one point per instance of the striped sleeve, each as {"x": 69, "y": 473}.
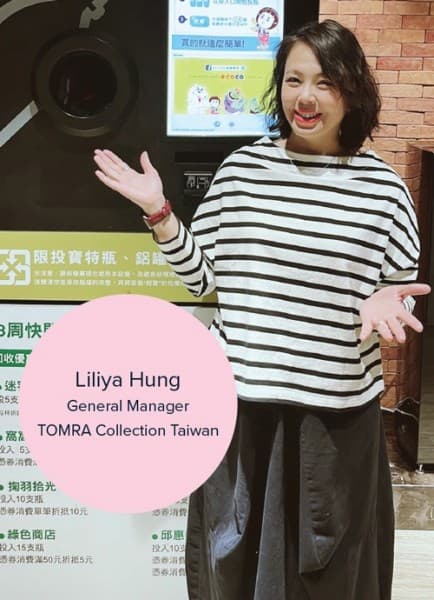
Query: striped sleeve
{"x": 191, "y": 253}
{"x": 400, "y": 265}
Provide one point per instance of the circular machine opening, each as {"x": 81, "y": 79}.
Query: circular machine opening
{"x": 83, "y": 84}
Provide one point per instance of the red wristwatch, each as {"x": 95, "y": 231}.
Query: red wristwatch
{"x": 152, "y": 220}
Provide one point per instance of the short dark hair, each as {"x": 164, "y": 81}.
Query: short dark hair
{"x": 343, "y": 61}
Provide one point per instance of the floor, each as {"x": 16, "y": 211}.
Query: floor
{"x": 414, "y": 513}
{"x": 414, "y": 565}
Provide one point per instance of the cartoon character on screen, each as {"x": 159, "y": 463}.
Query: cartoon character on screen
{"x": 266, "y": 19}
{"x": 234, "y": 101}
{"x": 197, "y": 100}
{"x": 254, "y": 106}
{"x": 214, "y": 105}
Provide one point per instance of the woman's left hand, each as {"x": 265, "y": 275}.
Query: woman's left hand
{"x": 385, "y": 312}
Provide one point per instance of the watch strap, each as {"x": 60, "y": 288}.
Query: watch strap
{"x": 155, "y": 218}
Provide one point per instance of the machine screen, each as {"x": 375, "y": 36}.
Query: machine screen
{"x": 220, "y": 59}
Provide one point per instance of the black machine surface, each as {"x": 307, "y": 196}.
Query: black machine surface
{"x": 80, "y": 74}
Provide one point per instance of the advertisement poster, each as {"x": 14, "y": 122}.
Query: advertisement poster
{"x": 75, "y": 266}
{"x": 50, "y": 545}
{"x": 220, "y": 60}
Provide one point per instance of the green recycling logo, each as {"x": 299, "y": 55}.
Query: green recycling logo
{"x": 15, "y": 267}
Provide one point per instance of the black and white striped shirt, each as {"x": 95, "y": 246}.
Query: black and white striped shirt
{"x": 293, "y": 243}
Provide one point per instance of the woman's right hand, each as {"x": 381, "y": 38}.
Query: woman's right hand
{"x": 144, "y": 189}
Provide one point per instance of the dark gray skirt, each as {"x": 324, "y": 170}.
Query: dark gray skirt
{"x": 300, "y": 508}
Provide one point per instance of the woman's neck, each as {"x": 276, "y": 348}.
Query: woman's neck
{"x": 302, "y": 146}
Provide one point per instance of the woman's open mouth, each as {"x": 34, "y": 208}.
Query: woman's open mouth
{"x": 306, "y": 118}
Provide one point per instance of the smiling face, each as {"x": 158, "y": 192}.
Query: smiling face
{"x": 265, "y": 20}
{"x": 312, "y": 104}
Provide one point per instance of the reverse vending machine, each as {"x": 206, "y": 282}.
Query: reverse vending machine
{"x": 182, "y": 79}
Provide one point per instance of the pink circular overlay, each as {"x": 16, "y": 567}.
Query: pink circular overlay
{"x": 128, "y": 403}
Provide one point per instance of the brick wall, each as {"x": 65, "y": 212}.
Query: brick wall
{"x": 398, "y": 39}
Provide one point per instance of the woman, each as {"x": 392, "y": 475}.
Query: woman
{"x": 312, "y": 247}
